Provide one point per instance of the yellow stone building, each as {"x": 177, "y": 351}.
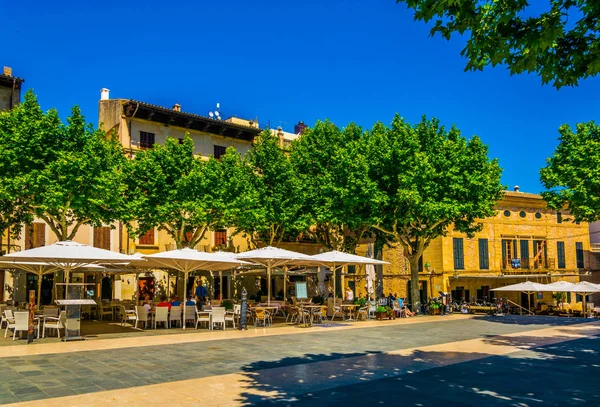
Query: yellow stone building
{"x": 524, "y": 241}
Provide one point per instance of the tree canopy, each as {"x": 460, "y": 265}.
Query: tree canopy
{"x": 559, "y": 42}
{"x": 173, "y": 190}
{"x": 335, "y": 190}
{"x": 572, "y": 175}
{"x": 429, "y": 179}
{"x": 65, "y": 174}
{"x": 273, "y": 210}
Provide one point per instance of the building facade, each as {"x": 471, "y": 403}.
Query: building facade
{"x": 10, "y": 89}
{"x": 524, "y": 241}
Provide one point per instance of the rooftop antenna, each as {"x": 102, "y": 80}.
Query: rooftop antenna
{"x": 216, "y": 114}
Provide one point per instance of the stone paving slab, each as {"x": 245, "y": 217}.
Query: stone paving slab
{"x": 343, "y": 378}
{"x": 48, "y": 375}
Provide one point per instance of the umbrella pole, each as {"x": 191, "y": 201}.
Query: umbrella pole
{"x": 285, "y": 270}
{"x": 135, "y": 290}
{"x": 221, "y": 285}
{"x": 334, "y": 285}
{"x": 185, "y": 277}
{"x": 39, "y": 299}
{"x": 268, "y": 285}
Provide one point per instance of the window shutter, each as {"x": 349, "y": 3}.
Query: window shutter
{"x": 39, "y": 234}
{"x": 560, "y": 249}
{"x": 459, "y": 263}
{"x": 524, "y": 249}
{"x": 147, "y": 238}
{"x": 484, "y": 260}
{"x": 579, "y": 254}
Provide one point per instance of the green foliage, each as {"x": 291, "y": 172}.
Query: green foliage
{"x": 572, "y": 175}
{"x": 171, "y": 189}
{"x": 560, "y": 44}
{"x": 335, "y": 190}
{"x": 429, "y": 179}
{"x": 271, "y": 207}
{"x": 67, "y": 175}
{"x": 361, "y": 302}
{"x": 227, "y": 304}
{"x": 381, "y": 309}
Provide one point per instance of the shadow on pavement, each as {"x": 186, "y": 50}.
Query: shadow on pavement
{"x": 559, "y": 374}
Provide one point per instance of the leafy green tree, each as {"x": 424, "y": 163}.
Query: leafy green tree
{"x": 429, "y": 179}
{"x": 572, "y": 175}
{"x": 335, "y": 190}
{"x": 273, "y": 209}
{"x": 171, "y": 189}
{"x": 561, "y": 43}
{"x": 67, "y": 175}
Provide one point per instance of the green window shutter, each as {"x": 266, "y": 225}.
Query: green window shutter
{"x": 484, "y": 259}
{"x": 459, "y": 260}
{"x": 579, "y": 254}
{"x": 524, "y": 249}
{"x": 560, "y": 252}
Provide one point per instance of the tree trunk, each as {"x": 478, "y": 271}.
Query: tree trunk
{"x": 414, "y": 285}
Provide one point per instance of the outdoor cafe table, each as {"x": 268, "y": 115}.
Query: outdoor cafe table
{"x": 350, "y": 308}
{"x": 311, "y": 309}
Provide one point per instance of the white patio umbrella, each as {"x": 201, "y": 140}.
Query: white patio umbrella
{"x": 585, "y": 288}
{"x": 69, "y": 256}
{"x": 559, "y": 286}
{"x": 527, "y": 287}
{"x": 40, "y": 269}
{"x": 271, "y": 257}
{"x": 336, "y": 259}
{"x": 189, "y": 260}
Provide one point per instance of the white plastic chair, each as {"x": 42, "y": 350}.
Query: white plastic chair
{"x": 203, "y": 316}
{"x": 161, "y": 314}
{"x": 230, "y": 317}
{"x": 57, "y": 323}
{"x": 372, "y": 310}
{"x": 337, "y": 310}
{"x": 22, "y": 323}
{"x": 218, "y": 317}
{"x": 104, "y": 309}
{"x": 175, "y": 315}
{"x": 190, "y": 314}
{"x": 127, "y": 315}
{"x": 237, "y": 311}
{"x": 141, "y": 315}
{"x": 9, "y": 318}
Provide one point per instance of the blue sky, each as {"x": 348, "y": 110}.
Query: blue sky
{"x": 283, "y": 62}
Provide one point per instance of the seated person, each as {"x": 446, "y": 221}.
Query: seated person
{"x": 175, "y": 301}
{"x": 407, "y": 313}
{"x": 189, "y": 301}
{"x": 164, "y": 303}
{"x": 147, "y": 303}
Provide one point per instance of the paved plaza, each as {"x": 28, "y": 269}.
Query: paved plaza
{"x": 449, "y": 361}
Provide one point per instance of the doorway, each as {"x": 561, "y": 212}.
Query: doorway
{"x": 525, "y": 303}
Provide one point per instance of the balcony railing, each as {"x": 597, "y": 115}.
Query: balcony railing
{"x": 528, "y": 264}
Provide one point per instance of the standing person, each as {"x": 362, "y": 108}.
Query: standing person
{"x": 349, "y": 294}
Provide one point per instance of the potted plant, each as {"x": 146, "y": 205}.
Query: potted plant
{"x": 560, "y": 298}
{"x": 383, "y": 311}
{"x": 227, "y": 304}
{"x": 434, "y": 308}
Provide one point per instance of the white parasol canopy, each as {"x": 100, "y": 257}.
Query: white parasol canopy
{"x": 336, "y": 259}
{"x": 275, "y": 257}
{"x": 524, "y": 287}
{"x": 190, "y": 260}
{"x": 559, "y": 286}
{"x": 527, "y": 287}
{"x": 68, "y": 255}
{"x": 41, "y": 269}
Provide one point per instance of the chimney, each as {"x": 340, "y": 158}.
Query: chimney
{"x": 280, "y": 136}
{"x": 299, "y": 128}
{"x": 7, "y": 71}
{"x": 104, "y": 94}
{"x": 177, "y": 107}
{"x": 516, "y": 188}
